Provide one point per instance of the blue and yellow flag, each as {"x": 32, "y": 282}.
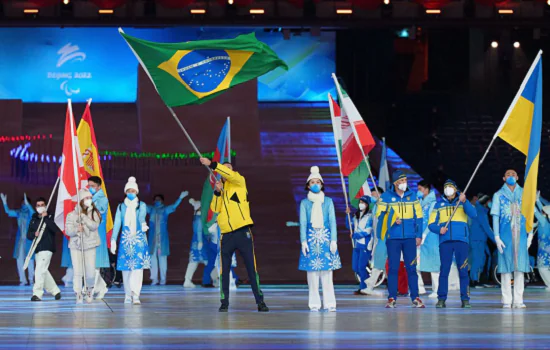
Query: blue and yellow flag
{"x": 521, "y": 128}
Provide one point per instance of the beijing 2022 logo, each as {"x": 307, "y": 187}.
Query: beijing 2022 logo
{"x": 69, "y": 79}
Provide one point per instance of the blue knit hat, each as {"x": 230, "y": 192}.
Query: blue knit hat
{"x": 450, "y": 182}
{"x": 365, "y": 199}
{"x": 397, "y": 175}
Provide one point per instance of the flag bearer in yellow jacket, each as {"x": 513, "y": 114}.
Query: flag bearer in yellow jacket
{"x": 453, "y": 239}
{"x": 231, "y": 204}
{"x": 400, "y": 224}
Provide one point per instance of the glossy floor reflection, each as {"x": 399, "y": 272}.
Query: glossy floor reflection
{"x": 171, "y": 318}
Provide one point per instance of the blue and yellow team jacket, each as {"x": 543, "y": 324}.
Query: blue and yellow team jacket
{"x": 392, "y": 207}
{"x": 458, "y": 227}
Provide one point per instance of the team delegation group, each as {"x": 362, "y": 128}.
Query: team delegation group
{"x": 393, "y": 228}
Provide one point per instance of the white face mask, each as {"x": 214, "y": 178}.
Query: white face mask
{"x": 362, "y": 206}
{"x": 40, "y": 210}
{"x": 402, "y": 187}
{"x": 449, "y": 191}
{"x": 88, "y": 203}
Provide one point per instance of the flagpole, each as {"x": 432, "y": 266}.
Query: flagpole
{"x": 344, "y": 190}
{"x": 506, "y": 116}
{"x": 37, "y": 240}
{"x": 77, "y": 183}
{"x": 169, "y": 108}
{"x": 229, "y": 138}
{"x": 356, "y": 137}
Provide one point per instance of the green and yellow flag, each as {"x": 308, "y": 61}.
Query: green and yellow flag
{"x": 197, "y": 71}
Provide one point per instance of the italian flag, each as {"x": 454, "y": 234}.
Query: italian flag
{"x": 358, "y": 184}
{"x": 356, "y": 138}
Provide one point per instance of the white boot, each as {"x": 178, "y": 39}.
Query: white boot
{"x": 90, "y": 296}
{"x": 232, "y": 284}
{"x": 188, "y": 284}
{"x": 191, "y": 268}
{"x": 128, "y": 299}
{"x": 79, "y": 298}
{"x": 135, "y": 299}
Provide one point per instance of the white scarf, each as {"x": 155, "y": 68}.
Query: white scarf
{"x": 130, "y": 218}
{"x": 317, "y": 220}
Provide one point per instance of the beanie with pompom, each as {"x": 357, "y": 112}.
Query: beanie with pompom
{"x": 314, "y": 174}
{"x": 131, "y": 184}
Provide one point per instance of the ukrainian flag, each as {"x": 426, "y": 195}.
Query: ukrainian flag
{"x": 521, "y": 128}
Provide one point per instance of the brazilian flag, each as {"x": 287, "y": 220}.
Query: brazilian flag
{"x": 197, "y": 71}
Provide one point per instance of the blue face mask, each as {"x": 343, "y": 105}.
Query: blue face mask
{"x": 511, "y": 181}
{"x": 158, "y": 204}
{"x": 131, "y": 196}
{"x": 419, "y": 194}
{"x": 490, "y": 205}
{"x": 316, "y": 188}
{"x": 92, "y": 190}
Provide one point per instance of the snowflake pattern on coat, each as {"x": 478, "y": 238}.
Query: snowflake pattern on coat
{"x": 319, "y": 257}
{"x": 134, "y": 251}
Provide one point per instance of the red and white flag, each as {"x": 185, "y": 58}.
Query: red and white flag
{"x": 357, "y": 140}
{"x": 72, "y": 176}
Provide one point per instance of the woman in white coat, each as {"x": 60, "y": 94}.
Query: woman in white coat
{"x": 133, "y": 255}
{"x": 82, "y": 228}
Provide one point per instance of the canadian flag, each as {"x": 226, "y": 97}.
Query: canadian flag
{"x": 72, "y": 176}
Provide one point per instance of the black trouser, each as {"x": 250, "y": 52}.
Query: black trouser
{"x": 242, "y": 241}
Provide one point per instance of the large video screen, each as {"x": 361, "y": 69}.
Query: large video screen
{"x": 52, "y": 64}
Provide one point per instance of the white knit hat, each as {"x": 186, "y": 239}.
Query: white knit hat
{"x": 83, "y": 193}
{"x": 131, "y": 184}
{"x": 315, "y": 174}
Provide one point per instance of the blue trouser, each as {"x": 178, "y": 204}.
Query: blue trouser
{"x": 477, "y": 258}
{"x": 212, "y": 254}
{"x": 460, "y": 250}
{"x": 395, "y": 247}
{"x": 360, "y": 262}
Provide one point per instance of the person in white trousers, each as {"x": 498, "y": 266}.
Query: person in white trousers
{"x": 42, "y": 221}
{"x": 542, "y": 213}
{"x": 133, "y": 255}
{"x": 512, "y": 240}
{"x": 22, "y": 245}
{"x": 82, "y": 227}
{"x": 318, "y": 237}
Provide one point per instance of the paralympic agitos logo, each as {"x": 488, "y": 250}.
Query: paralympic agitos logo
{"x": 69, "y": 54}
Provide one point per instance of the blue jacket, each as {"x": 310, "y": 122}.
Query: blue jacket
{"x": 479, "y": 227}
{"x": 23, "y": 216}
{"x": 102, "y": 204}
{"x": 162, "y": 213}
{"x": 392, "y": 207}
{"x": 329, "y": 217}
{"x": 119, "y": 218}
{"x": 458, "y": 228}
{"x": 362, "y": 228}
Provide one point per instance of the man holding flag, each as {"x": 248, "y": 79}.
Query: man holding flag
{"x": 233, "y": 208}
{"x": 513, "y": 208}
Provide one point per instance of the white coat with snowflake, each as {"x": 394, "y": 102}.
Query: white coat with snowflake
{"x": 133, "y": 251}
{"x": 319, "y": 257}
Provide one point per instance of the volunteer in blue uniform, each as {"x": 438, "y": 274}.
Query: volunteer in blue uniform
{"x": 480, "y": 231}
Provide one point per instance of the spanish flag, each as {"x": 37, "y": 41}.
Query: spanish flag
{"x": 90, "y": 156}
{"x": 521, "y": 128}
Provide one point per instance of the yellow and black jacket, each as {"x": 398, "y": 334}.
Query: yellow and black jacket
{"x": 231, "y": 204}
